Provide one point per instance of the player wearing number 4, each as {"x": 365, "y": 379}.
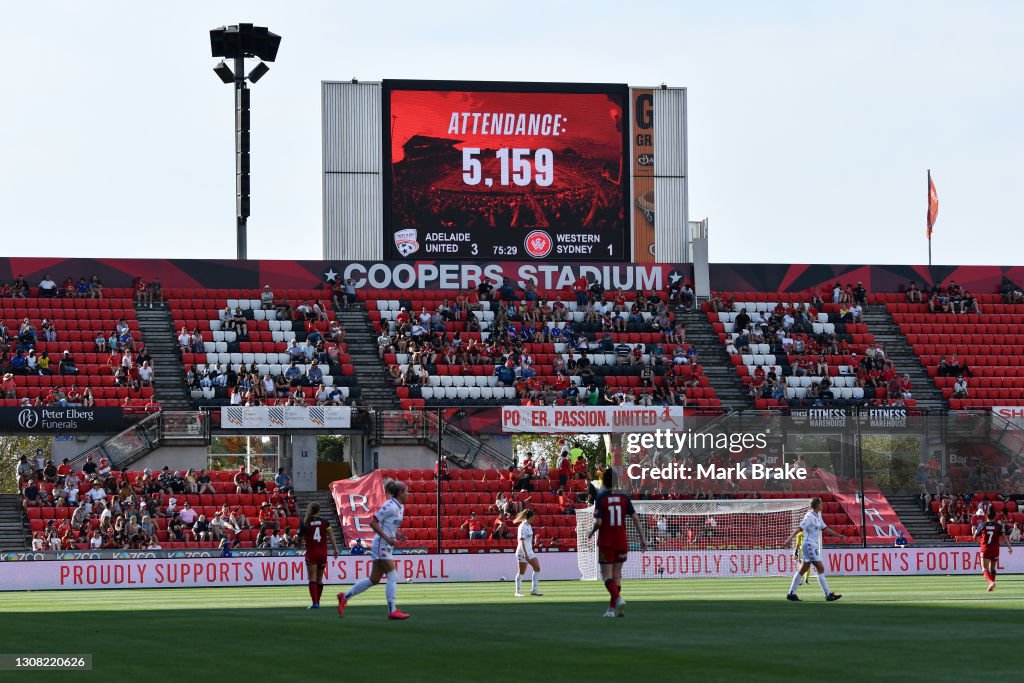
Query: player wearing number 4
{"x": 385, "y": 525}
{"x": 991, "y": 533}
{"x": 611, "y": 509}
{"x": 812, "y": 526}
{"x": 314, "y": 531}
{"x": 525, "y": 554}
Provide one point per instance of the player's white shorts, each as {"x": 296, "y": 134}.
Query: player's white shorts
{"x": 524, "y": 557}
{"x": 811, "y": 553}
{"x": 379, "y": 550}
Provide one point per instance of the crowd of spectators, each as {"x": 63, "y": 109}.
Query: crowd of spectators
{"x": 666, "y": 366}
{"x": 19, "y": 288}
{"x": 110, "y": 510}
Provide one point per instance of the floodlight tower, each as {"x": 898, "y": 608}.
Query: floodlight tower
{"x": 237, "y": 43}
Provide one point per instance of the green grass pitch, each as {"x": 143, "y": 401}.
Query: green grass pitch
{"x": 884, "y": 629}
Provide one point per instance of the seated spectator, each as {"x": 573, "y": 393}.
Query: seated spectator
{"x": 502, "y": 531}
{"x": 256, "y": 482}
{"x": 188, "y": 515}
{"x": 474, "y": 527}
{"x": 31, "y": 495}
{"x": 357, "y": 547}
{"x": 268, "y": 517}
{"x": 960, "y": 388}
{"x": 67, "y": 364}
{"x": 913, "y": 293}
{"x": 205, "y": 483}
{"x": 241, "y": 480}
{"x": 176, "y": 528}
{"x": 145, "y": 373}
{"x": 155, "y": 293}
{"x": 47, "y": 287}
{"x": 283, "y": 481}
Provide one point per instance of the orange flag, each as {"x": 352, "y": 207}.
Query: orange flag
{"x": 933, "y": 204}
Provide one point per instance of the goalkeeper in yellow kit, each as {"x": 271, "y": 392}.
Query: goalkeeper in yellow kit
{"x": 796, "y": 554}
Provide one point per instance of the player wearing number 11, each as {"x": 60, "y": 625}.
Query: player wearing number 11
{"x": 611, "y": 509}
{"x": 314, "y": 531}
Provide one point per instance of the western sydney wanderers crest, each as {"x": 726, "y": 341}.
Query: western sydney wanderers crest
{"x": 538, "y": 244}
{"x": 405, "y": 241}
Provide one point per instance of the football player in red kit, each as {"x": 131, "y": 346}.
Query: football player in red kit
{"x": 314, "y": 532}
{"x": 611, "y": 510}
{"x": 990, "y": 533}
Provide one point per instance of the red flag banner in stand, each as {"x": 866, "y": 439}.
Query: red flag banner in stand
{"x": 933, "y": 204}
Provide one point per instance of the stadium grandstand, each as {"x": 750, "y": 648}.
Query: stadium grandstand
{"x": 422, "y": 373}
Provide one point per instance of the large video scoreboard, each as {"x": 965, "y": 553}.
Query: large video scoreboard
{"x": 491, "y": 171}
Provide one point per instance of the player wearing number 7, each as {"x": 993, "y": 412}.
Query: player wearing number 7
{"x": 314, "y": 531}
{"x": 610, "y": 512}
{"x": 991, "y": 533}
{"x": 812, "y": 526}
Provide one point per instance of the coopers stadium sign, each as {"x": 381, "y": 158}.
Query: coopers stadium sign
{"x": 461, "y": 276}
{"x": 49, "y": 420}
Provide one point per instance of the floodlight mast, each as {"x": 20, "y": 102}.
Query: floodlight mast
{"x": 236, "y": 43}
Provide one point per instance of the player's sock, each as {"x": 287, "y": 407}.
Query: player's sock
{"x": 312, "y": 592}
{"x": 519, "y": 583}
{"x": 609, "y": 584}
{"x": 534, "y": 581}
{"x": 993, "y": 573}
{"x": 988, "y": 575}
{"x": 319, "y": 592}
{"x": 824, "y": 584}
{"x": 794, "y": 583}
{"x": 360, "y": 586}
{"x": 391, "y": 590}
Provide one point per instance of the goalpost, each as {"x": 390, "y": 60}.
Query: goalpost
{"x": 702, "y": 538}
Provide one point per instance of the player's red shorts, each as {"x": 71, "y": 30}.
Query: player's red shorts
{"x": 316, "y": 557}
{"x": 990, "y": 553}
{"x": 610, "y": 555}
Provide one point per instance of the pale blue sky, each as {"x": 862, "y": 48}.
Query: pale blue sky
{"x": 811, "y": 123}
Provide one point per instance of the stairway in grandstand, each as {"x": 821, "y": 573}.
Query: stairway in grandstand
{"x": 919, "y": 524}
{"x": 327, "y": 510}
{"x": 157, "y": 328}
{"x": 881, "y": 324}
{"x": 13, "y": 534}
{"x": 712, "y": 356}
{"x": 369, "y": 369}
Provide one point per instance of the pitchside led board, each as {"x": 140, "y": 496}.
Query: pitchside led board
{"x": 495, "y": 171}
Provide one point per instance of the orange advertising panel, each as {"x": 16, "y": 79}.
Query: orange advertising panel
{"x": 642, "y": 149}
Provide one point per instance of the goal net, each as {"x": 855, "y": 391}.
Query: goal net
{"x": 702, "y": 538}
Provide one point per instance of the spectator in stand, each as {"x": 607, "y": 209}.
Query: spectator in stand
{"x": 188, "y": 515}
{"x": 256, "y": 483}
{"x": 913, "y": 293}
{"x": 8, "y": 386}
{"x": 268, "y": 517}
{"x": 241, "y": 479}
{"x": 860, "y": 295}
{"x": 205, "y": 483}
{"x": 283, "y": 481}
{"x": 960, "y": 388}
{"x": 441, "y": 469}
{"x": 145, "y": 374}
{"x": 155, "y": 293}
{"x": 67, "y": 364}
{"x": 47, "y": 287}
{"x": 474, "y": 528}
{"x": 31, "y": 495}
{"x": 501, "y": 531}
{"x": 26, "y": 471}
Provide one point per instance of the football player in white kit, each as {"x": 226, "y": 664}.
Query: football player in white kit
{"x": 525, "y": 554}
{"x": 385, "y": 525}
{"x": 810, "y": 554}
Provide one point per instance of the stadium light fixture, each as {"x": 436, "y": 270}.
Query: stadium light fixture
{"x": 224, "y": 72}
{"x": 258, "y": 71}
{"x": 237, "y": 43}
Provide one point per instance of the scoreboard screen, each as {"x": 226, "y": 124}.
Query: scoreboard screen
{"x": 505, "y": 170}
